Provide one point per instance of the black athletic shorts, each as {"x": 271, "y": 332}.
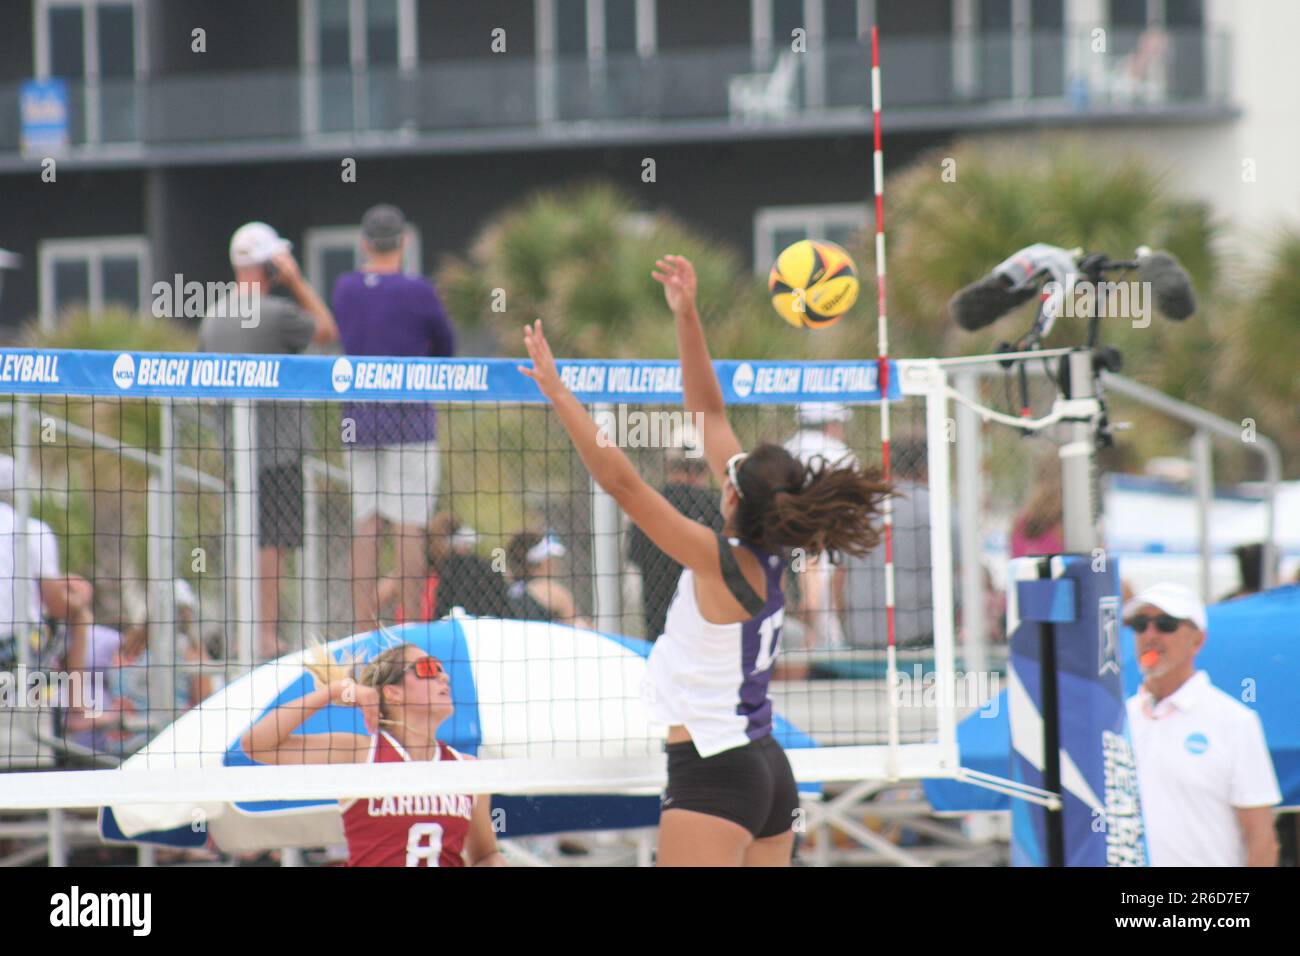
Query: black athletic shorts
{"x": 751, "y": 785}
{"x": 279, "y": 507}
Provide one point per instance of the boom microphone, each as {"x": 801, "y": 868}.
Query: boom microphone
{"x": 983, "y": 303}
{"x": 1170, "y": 284}
{"x": 1012, "y": 283}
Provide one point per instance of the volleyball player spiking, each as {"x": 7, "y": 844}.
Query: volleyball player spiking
{"x": 731, "y": 795}
{"x": 404, "y": 695}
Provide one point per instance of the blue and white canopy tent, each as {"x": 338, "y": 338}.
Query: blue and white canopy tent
{"x": 523, "y": 689}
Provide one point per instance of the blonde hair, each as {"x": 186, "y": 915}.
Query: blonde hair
{"x": 383, "y": 669}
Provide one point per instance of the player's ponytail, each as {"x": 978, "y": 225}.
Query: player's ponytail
{"x": 820, "y": 508}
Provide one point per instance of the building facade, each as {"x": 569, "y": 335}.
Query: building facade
{"x": 184, "y": 120}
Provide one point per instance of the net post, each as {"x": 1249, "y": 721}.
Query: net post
{"x": 242, "y": 441}
{"x": 606, "y": 570}
{"x": 313, "y": 547}
{"x": 1203, "y": 488}
{"x": 25, "y": 616}
{"x": 1076, "y": 455}
{"x": 160, "y": 567}
{"x": 936, "y": 408}
{"x": 970, "y": 491}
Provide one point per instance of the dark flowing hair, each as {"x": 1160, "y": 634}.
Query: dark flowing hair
{"x": 820, "y": 507}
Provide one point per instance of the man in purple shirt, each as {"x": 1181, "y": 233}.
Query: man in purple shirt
{"x": 391, "y": 445}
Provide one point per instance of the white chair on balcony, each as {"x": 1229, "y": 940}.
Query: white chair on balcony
{"x": 755, "y": 97}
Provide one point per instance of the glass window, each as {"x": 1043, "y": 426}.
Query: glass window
{"x": 620, "y": 26}
{"x": 116, "y": 40}
{"x": 841, "y": 20}
{"x": 121, "y": 281}
{"x": 787, "y": 16}
{"x": 335, "y": 49}
{"x": 71, "y": 285}
{"x": 67, "y": 42}
{"x": 571, "y": 27}
{"x": 381, "y": 32}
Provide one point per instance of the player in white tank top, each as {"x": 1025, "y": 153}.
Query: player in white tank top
{"x": 731, "y": 794}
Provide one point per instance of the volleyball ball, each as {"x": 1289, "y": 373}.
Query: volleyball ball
{"x": 813, "y": 283}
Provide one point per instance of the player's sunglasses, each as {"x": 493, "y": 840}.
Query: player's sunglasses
{"x": 426, "y": 668}
{"x": 733, "y": 463}
{"x": 1165, "y": 623}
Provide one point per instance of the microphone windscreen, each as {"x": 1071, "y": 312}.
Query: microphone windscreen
{"x": 1170, "y": 285}
{"x": 983, "y": 303}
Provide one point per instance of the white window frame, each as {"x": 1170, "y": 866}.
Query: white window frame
{"x": 92, "y": 250}
{"x": 90, "y": 48}
{"x": 408, "y": 51}
{"x": 316, "y": 241}
{"x": 812, "y": 220}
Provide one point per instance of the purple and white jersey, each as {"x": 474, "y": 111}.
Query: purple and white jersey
{"x": 712, "y": 678}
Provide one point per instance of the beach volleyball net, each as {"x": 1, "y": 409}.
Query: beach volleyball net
{"x": 171, "y": 484}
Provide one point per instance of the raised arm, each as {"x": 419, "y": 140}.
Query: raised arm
{"x": 701, "y": 392}
{"x": 687, "y": 542}
{"x": 271, "y": 739}
{"x": 291, "y": 277}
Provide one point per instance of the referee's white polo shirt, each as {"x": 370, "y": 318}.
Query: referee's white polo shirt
{"x": 1199, "y": 754}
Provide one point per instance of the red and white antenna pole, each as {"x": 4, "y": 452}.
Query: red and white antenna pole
{"x": 882, "y": 364}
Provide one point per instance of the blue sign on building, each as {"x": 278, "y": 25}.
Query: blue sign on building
{"x": 44, "y": 109}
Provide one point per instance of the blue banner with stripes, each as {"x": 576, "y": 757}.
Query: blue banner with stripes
{"x": 331, "y": 378}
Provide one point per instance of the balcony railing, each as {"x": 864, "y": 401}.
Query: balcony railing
{"x": 1028, "y": 76}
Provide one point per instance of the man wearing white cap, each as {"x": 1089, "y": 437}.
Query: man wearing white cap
{"x": 821, "y": 436}
{"x": 277, "y": 326}
{"x": 1204, "y": 772}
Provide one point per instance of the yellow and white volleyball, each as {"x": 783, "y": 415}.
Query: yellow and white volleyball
{"x": 813, "y": 283}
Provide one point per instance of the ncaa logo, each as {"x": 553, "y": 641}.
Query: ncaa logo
{"x": 742, "y": 380}
{"x": 124, "y": 371}
{"x": 341, "y": 375}
{"x": 1196, "y": 743}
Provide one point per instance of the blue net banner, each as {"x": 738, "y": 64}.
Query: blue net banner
{"x": 331, "y": 378}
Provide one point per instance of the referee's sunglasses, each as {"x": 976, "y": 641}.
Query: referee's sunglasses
{"x": 1165, "y": 623}
{"x": 426, "y": 668}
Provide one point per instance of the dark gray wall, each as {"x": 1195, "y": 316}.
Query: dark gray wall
{"x": 74, "y": 206}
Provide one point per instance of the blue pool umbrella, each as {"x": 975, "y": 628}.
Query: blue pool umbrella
{"x": 522, "y": 689}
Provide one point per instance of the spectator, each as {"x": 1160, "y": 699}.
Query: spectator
{"x": 690, "y": 491}
{"x": 1250, "y": 567}
{"x": 261, "y": 259}
{"x": 50, "y": 594}
{"x": 1038, "y": 528}
{"x": 392, "y": 447}
{"x": 535, "y": 594}
{"x": 821, "y": 583}
{"x": 455, "y": 576}
{"x": 124, "y": 726}
{"x": 1204, "y": 772}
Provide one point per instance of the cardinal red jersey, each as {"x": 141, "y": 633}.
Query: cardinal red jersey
{"x": 424, "y": 830}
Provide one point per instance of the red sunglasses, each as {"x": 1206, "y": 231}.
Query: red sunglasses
{"x": 426, "y": 668}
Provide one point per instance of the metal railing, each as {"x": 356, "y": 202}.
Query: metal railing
{"x": 1023, "y": 74}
